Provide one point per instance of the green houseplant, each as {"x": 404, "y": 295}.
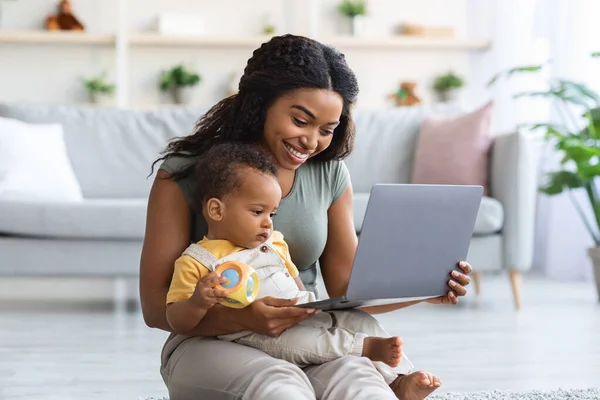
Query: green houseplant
{"x": 355, "y": 11}
{"x": 180, "y": 82}
{"x": 447, "y": 85}
{"x": 99, "y": 89}
{"x": 576, "y": 136}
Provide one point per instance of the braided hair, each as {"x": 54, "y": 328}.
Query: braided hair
{"x": 279, "y": 66}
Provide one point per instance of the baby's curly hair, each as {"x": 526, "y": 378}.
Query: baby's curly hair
{"x": 218, "y": 171}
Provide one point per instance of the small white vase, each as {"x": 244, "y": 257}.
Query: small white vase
{"x": 183, "y": 94}
{"x": 101, "y": 99}
{"x": 357, "y": 25}
{"x": 449, "y": 95}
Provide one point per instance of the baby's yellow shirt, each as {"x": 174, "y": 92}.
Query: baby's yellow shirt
{"x": 188, "y": 271}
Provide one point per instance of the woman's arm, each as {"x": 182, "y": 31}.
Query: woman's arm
{"x": 168, "y": 225}
{"x": 389, "y": 307}
{"x": 338, "y": 256}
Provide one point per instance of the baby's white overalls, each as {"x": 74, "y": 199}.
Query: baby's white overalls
{"x": 324, "y": 337}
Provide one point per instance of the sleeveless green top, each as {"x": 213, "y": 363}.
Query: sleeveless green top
{"x": 302, "y": 214}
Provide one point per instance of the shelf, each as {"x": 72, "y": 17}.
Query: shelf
{"x": 155, "y": 39}
{"x": 55, "y": 37}
{"x": 392, "y": 42}
{"x": 408, "y": 42}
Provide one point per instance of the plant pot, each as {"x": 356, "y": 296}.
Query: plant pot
{"x": 448, "y": 95}
{"x": 357, "y": 25}
{"x": 594, "y": 254}
{"x": 183, "y": 94}
{"x": 101, "y": 99}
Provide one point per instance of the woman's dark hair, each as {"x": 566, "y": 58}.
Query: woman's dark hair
{"x": 283, "y": 64}
{"x": 220, "y": 170}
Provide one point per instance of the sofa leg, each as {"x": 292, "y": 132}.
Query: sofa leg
{"x": 120, "y": 294}
{"x": 515, "y": 283}
{"x": 477, "y": 282}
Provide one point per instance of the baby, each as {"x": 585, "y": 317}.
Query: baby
{"x": 239, "y": 195}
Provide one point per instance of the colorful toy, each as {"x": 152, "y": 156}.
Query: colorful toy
{"x": 242, "y": 283}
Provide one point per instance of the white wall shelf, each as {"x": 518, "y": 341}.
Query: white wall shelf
{"x": 56, "y": 37}
{"x": 408, "y": 43}
{"x": 153, "y": 39}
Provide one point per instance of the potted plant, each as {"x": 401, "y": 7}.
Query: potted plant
{"x": 99, "y": 90}
{"x": 576, "y": 135}
{"x": 355, "y": 11}
{"x": 268, "y": 27}
{"x": 180, "y": 82}
{"x": 447, "y": 86}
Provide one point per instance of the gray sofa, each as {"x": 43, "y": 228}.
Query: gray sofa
{"x": 111, "y": 151}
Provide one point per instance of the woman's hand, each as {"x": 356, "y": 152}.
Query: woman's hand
{"x": 271, "y": 316}
{"x": 457, "y": 285}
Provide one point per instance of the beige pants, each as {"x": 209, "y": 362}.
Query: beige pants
{"x": 212, "y": 369}
{"x": 206, "y": 368}
{"x": 325, "y": 337}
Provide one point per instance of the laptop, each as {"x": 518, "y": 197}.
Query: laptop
{"x": 412, "y": 238}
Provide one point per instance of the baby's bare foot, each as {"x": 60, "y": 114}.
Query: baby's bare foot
{"x": 388, "y": 350}
{"x": 415, "y": 386}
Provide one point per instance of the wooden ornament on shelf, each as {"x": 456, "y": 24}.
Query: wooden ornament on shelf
{"x": 64, "y": 20}
{"x": 426, "y": 31}
{"x": 406, "y": 96}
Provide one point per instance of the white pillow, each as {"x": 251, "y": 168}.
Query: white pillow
{"x": 34, "y": 164}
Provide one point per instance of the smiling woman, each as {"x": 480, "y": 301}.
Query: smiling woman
{"x": 294, "y": 99}
{"x": 300, "y": 125}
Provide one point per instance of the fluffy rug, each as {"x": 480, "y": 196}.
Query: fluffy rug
{"x": 587, "y": 394}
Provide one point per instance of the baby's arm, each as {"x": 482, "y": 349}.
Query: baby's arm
{"x": 184, "y": 315}
{"x": 191, "y": 294}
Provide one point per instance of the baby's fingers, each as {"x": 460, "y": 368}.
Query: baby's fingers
{"x": 217, "y": 294}
{"x": 212, "y": 279}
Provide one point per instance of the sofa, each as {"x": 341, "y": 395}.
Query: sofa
{"x": 111, "y": 151}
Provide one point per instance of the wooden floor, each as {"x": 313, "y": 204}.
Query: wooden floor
{"x": 554, "y": 341}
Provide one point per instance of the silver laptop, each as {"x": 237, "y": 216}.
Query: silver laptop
{"x": 412, "y": 238}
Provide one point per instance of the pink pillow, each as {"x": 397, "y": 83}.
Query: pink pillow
{"x": 454, "y": 151}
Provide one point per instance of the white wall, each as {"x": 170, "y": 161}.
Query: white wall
{"x": 50, "y": 73}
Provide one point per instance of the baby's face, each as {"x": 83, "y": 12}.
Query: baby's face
{"x": 248, "y": 213}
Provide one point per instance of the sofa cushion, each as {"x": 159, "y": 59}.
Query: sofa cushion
{"x": 489, "y": 218}
{"x": 385, "y": 141}
{"x": 34, "y": 163}
{"x": 111, "y": 150}
{"x": 454, "y": 150}
{"x": 123, "y": 219}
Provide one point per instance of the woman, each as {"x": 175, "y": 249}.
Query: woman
{"x": 294, "y": 98}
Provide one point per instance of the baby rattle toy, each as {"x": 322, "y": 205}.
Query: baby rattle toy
{"x": 241, "y": 285}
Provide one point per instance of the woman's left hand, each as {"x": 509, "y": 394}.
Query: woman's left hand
{"x": 457, "y": 285}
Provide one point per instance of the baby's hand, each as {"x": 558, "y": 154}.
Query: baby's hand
{"x": 205, "y": 295}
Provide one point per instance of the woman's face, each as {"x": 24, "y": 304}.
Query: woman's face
{"x": 300, "y": 125}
